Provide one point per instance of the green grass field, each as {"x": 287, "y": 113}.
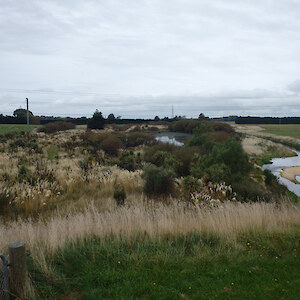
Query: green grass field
{"x": 174, "y": 267}
{"x": 11, "y": 128}
{"x": 283, "y": 130}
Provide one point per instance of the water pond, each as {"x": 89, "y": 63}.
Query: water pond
{"x": 278, "y": 164}
{"x": 175, "y": 138}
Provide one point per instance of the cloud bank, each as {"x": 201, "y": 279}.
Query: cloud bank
{"x": 137, "y": 58}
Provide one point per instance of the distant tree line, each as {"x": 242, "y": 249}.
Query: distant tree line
{"x": 267, "y": 120}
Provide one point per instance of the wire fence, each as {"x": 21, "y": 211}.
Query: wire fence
{"x": 4, "y": 287}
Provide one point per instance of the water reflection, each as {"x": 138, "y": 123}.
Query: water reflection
{"x": 166, "y": 139}
{"x": 175, "y": 138}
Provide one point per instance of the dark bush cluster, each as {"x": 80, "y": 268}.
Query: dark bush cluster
{"x": 23, "y": 142}
{"x": 138, "y": 138}
{"x": 119, "y": 193}
{"x": 57, "y": 126}
{"x": 129, "y": 161}
{"x": 111, "y": 145}
{"x": 170, "y": 156}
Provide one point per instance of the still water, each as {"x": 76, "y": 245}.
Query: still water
{"x": 278, "y": 164}
{"x": 175, "y": 138}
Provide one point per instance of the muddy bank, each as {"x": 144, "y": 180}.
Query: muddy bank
{"x": 291, "y": 173}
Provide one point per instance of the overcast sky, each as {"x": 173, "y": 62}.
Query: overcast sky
{"x": 137, "y": 58}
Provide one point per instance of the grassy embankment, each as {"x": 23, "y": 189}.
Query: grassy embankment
{"x": 13, "y": 128}
{"x": 283, "y": 130}
{"x": 154, "y": 251}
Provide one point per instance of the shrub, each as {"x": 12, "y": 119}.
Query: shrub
{"x": 17, "y": 143}
{"x": 230, "y": 154}
{"x": 127, "y": 161}
{"x": 191, "y": 184}
{"x": 222, "y": 127}
{"x": 158, "y": 181}
{"x": 138, "y": 138}
{"x": 150, "y": 151}
{"x": 52, "y": 152}
{"x": 184, "y": 156}
{"x": 249, "y": 190}
{"x": 111, "y": 145}
{"x": 218, "y": 173}
{"x": 23, "y": 173}
{"x": 119, "y": 193}
{"x": 136, "y": 128}
{"x": 269, "y": 177}
{"x": 165, "y": 159}
{"x": 153, "y": 128}
{"x": 57, "y": 126}
{"x": 201, "y": 140}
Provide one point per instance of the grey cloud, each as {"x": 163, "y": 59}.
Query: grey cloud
{"x": 295, "y": 86}
{"x": 224, "y": 56}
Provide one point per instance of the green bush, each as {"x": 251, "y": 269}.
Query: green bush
{"x": 52, "y": 152}
{"x": 158, "y": 181}
{"x": 149, "y": 152}
{"x": 164, "y": 159}
{"x": 127, "y": 161}
{"x": 229, "y": 154}
{"x": 203, "y": 141}
{"x": 23, "y": 173}
{"x": 184, "y": 156}
{"x": 217, "y": 173}
{"x": 269, "y": 177}
{"x": 191, "y": 184}
{"x": 249, "y": 190}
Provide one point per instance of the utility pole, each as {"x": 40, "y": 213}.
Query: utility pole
{"x": 27, "y": 117}
{"x": 172, "y": 111}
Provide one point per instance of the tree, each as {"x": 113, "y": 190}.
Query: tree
{"x": 156, "y": 118}
{"x": 21, "y": 115}
{"x": 111, "y": 117}
{"x": 97, "y": 121}
{"x": 201, "y": 116}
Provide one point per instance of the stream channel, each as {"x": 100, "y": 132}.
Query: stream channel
{"x": 278, "y": 164}
{"x": 275, "y": 167}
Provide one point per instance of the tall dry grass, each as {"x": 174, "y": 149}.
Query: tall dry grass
{"x": 228, "y": 221}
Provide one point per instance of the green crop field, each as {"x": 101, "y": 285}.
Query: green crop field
{"x": 283, "y": 130}
{"x": 10, "y": 128}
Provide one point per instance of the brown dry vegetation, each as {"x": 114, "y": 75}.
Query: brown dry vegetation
{"x": 227, "y": 221}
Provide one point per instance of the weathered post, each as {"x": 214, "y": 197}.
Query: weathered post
{"x": 17, "y": 269}
{"x": 27, "y": 117}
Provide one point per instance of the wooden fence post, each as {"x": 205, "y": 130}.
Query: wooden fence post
{"x": 17, "y": 269}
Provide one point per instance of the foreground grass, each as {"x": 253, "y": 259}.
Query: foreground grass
{"x": 283, "y": 130}
{"x": 12, "y": 128}
{"x": 155, "y": 251}
{"x": 192, "y": 266}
